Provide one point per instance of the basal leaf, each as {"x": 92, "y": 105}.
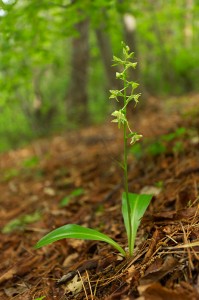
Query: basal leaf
{"x": 138, "y": 204}
{"x": 77, "y": 232}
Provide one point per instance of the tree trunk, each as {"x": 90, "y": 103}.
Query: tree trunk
{"x": 188, "y": 29}
{"x": 129, "y": 29}
{"x": 107, "y": 58}
{"x": 39, "y": 114}
{"x": 77, "y": 97}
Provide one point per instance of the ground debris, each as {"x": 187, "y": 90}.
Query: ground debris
{"x": 165, "y": 264}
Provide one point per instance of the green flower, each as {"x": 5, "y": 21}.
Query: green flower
{"x": 120, "y": 117}
{"x": 136, "y": 137}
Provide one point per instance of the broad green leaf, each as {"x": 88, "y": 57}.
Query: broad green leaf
{"x": 77, "y": 232}
{"x": 138, "y": 204}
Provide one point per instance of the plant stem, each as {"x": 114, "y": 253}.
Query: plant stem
{"x": 126, "y": 172}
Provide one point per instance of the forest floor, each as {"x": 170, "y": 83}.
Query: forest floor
{"x": 76, "y": 178}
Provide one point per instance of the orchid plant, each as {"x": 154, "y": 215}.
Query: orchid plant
{"x": 133, "y": 205}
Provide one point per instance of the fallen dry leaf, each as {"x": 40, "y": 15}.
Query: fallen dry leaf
{"x": 74, "y": 286}
{"x": 158, "y": 269}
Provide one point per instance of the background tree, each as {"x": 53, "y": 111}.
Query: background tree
{"x": 77, "y": 95}
{"x": 42, "y": 67}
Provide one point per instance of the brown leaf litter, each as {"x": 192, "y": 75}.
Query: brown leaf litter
{"x": 165, "y": 264}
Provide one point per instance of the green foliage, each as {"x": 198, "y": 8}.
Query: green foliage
{"x": 21, "y": 222}
{"x": 178, "y": 147}
{"x": 179, "y": 132}
{"x": 14, "y": 128}
{"x": 77, "y": 192}
{"x": 132, "y": 217}
{"x": 136, "y": 150}
{"x": 10, "y": 173}
{"x": 156, "y": 148}
{"x": 31, "y": 162}
{"x": 159, "y": 184}
{"x": 121, "y": 114}
{"x": 168, "y": 140}
{"x": 133, "y": 205}
{"x": 77, "y": 232}
{"x": 35, "y": 39}
{"x": 161, "y": 145}
{"x": 169, "y": 59}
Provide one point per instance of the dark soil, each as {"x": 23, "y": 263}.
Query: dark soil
{"x": 84, "y": 166}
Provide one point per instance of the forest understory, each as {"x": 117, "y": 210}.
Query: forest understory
{"x": 76, "y": 178}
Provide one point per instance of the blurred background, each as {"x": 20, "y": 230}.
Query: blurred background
{"x": 56, "y": 57}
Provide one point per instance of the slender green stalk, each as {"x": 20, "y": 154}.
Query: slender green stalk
{"x": 121, "y": 119}
{"x": 126, "y": 188}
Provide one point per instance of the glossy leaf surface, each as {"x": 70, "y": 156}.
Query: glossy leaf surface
{"x": 77, "y": 232}
{"x": 138, "y": 205}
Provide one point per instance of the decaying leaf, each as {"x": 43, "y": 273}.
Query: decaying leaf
{"x": 157, "y": 270}
{"x": 156, "y": 292}
{"x": 74, "y": 286}
{"x": 150, "y": 190}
